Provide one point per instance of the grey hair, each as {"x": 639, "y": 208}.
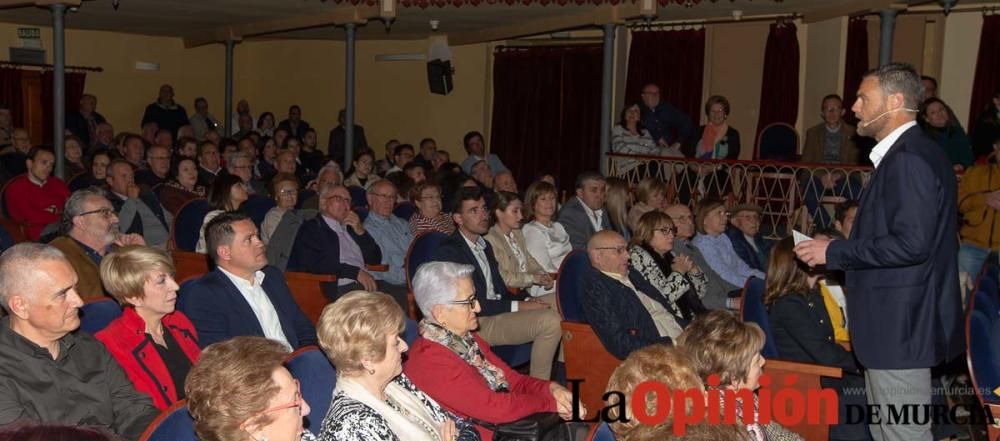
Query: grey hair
{"x": 900, "y": 78}
{"x": 374, "y": 185}
{"x": 74, "y": 206}
{"x": 436, "y": 283}
{"x": 16, "y": 265}
{"x": 233, "y": 156}
{"x": 326, "y": 191}
{"x": 334, "y": 167}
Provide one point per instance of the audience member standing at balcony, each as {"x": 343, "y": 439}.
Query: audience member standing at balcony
{"x": 715, "y": 140}
{"x": 667, "y": 125}
{"x": 630, "y": 137}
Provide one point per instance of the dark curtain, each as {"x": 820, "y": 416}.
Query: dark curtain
{"x": 74, "y": 82}
{"x": 779, "y": 92}
{"x": 674, "y": 61}
{"x": 856, "y": 64}
{"x": 547, "y": 111}
{"x": 10, "y": 93}
{"x": 987, "y": 79}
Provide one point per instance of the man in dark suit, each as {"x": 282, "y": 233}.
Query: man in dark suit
{"x": 584, "y": 215}
{"x": 744, "y": 233}
{"x": 295, "y": 125}
{"x": 335, "y": 242}
{"x": 626, "y": 312}
{"x": 336, "y": 146}
{"x": 83, "y": 122}
{"x": 901, "y": 257}
{"x": 243, "y": 295}
{"x": 506, "y": 319}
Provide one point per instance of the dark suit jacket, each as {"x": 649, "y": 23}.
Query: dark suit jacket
{"x": 900, "y": 261}
{"x": 317, "y": 250}
{"x": 77, "y": 124}
{"x": 802, "y": 331}
{"x": 757, "y": 259}
{"x": 574, "y": 219}
{"x": 336, "y": 145}
{"x": 298, "y": 131}
{"x": 455, "y": 249}
{"x": 220, "y": 312}
{"x": 617, "y": 315}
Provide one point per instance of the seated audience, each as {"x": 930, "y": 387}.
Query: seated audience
{"x": 475, "y": 146}
{"x": 832, "y": 140}
{"x": 673, "y": 368}
{"x": 139, "y": 212}
{"x": 617, "y": 202}
{"x": 482, "y": 174}
{"x": 265, "y": 124}
{"x": 978, "y": 202}
{"x": 36, "y": 198}
{"x": 428, "y": 150}
{"x": 73, "y": 156}
{"x": 717, "y": 139}
{"x": 440, "y": 158}
{"x": 504, "y": 181}
{"x": 546, "y": 240}
{"x": 97, "y": 173}
{"x": 240, "y": 164}
{"x": 507, "y": 319}
{"x": 392, "y": 235}
{"x": 744, "y": 233}
{"x": 402, "y": 154}
{"x": 208, "y": 163}
{"x": 13, "y": 157}
{"x": 312, "y": 159}
{"x": 202, "y": 121}
{"x": 844, "y": 217}
{"x": 831, "y": 287}
{"x": 361, "y": 172}
{"x": 294, "y": 124}
{"x": 227, "y": 193}
{"x": 718, "y": 250}
{"x": 455, "y": 365}
{"x": 83, "y": 122}
{"x": 158, "y": 170}
{"x": 428, "y": 216}
{"x": 335, "y": 242}
{"x": 329, "y": 175}
{"x": 133, "y": 149}
{"x": 987, "y": 127}
{"x": 89, "y": 230}
{"x": 182, "y": 187}
{"x": 650, "y": 194}
{"x": 676, "y": 278}
{"x": 626, "y": 312}
{"x": 718, "y": 289}
{"x": 54, "y": 432}
{"x": 801, "y": 325}
{"x": 267, "y": 165}
{"x": 105, "y": 135}
{"x": 941, "y": 125}
{"x": 52, "y": 374}
{"x": 285, "y": 191}
{"x": 720, "y": 343}
{"x": 585, "y": 215}
{"x": 243, "y": 295}
{"x": 517, "y": 268}
{"x": 336, "y": 147}
{"x": 241, "y": 390}
{"x": 415, "y": 172}
{"x": 630, "y": 137}
{"x": 383, "y": 165}
{"x": 154, "y": 343}
{"x": 667, "y": 125}
{"x": 373, "y": 400}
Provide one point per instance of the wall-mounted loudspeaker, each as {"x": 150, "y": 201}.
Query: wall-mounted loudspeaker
{"x": 439, "y": 74}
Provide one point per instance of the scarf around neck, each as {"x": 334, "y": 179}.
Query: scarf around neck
{"x": 467, "y": 349}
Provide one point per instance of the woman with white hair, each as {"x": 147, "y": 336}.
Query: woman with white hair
{"x": 456, "y": 367}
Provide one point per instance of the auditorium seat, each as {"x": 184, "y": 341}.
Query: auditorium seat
{"x": 97, "y": 313}
{"x": 257, "y": 206}
{"x": 317, "y": 379}
{"x": 421, "y": 251}
{"x": 173, "y": 424}
{"x": 187, "y": 224}
{"x": 359, "y": 197}
{"x": 603, "y": 433}
{"x": 404, "y": 210}
{"x": 189, "y": 264}
{"x": 307, "y": 291}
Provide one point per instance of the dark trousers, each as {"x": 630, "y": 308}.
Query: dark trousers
{"x": 397, "y": 292}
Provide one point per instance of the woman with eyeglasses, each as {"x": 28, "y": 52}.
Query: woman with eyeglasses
{"x": 456, "y": 367}
{"x": 240, "y": 390}
{"x": 428, "y": 216}
{"x": 711, "y": 218}
{"x": 182, "y": 187}
{"x": 374, "y": 401}
{"x": 677, "y": 278}
{"x": 228, "y": 192}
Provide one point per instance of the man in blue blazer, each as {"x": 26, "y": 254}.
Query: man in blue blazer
{"x": 242, "y": 295}
{"x": 901, "y": 257}
{"x": 626, "y": 312}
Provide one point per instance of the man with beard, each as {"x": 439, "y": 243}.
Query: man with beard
{"x": 89, "y": 228}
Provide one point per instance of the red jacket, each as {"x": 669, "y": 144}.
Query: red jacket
{"x": 126, "y": 339}
{"x": 458, "y": 387}
{"x": 36, "y": 206}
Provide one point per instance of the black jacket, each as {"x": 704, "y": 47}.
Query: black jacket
{"x": 169, "y": 119}
{"x": 618, "y": 317}
{"x": 336, "y": 146}
{"x": 83, "y": 386}
{"x": 803, "y": 332}
{"x": 317, "y": 250}
{"x": 455, "y": 249}
{"x": 77, "y": 125}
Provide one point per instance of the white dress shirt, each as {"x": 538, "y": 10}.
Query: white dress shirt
{"x": 883, "y": 146}
{"x": 261, "y": 305}
{"x": 479, "y": 250}
{"x": 594, "y": 216}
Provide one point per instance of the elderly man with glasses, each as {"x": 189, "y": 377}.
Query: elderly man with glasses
{"x": 393, "y": 236}
{"x": 89, "y": 228}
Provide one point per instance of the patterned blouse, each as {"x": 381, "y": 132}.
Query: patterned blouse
{"x": 352, "y": 420}
{"x": 442, "y": 223}
{"x": 673, "y": 285}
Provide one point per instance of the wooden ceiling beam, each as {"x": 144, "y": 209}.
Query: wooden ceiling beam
{"x": 335, "y": 17}
{"x": 617, "y": 14}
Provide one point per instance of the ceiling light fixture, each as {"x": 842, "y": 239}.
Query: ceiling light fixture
{"x": 947, "y": 5}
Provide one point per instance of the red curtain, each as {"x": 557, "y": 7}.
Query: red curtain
{"x": 547, "y": 111}
{"x": 779, "y": 92}
{"x": 987, "y": 79}
{"x": 674, "y": 61}
{"x": 10, "y": 93}
{"x": 856, "y": 64}
{"x": 73, "y": 87}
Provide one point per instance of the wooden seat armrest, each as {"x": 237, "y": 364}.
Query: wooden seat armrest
{"x": 311, "y": 277}
{"x": 846, "y": 345}
{"x": 804, "y": 368}
{"x": 378, "y": 268}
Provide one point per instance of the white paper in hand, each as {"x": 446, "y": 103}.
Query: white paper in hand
{"x": 799, "y": 237}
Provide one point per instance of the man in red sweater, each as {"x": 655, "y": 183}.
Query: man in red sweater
{"x": 36, "y": 198}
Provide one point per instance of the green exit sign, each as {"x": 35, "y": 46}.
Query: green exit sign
{"x": 29, "y": 33}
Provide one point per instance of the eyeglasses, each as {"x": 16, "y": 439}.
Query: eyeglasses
{"x": 472, "y": 303}
{"x": 619, "y": 249}
{"x": 296, "y": 402}
{"x": 385, "y": 196}
{"x": 431, "y": 197}
{"x": 667, "y": 230}
{"x": 106, "y": 212}
{"x": 340, "y": 199}
{"x": 288, "y": 192}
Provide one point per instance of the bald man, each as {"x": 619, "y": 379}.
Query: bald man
{"x": 626, "y": 312}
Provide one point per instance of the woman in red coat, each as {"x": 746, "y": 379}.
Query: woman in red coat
{"x": 155, "y": 345}
{"x": 457, "y": 368}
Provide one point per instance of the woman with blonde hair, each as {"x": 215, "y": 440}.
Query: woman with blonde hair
{"x": 650, "y": 194}
{"x": 374, "y": 401}
{"x": 241, "y": 391}
{"x": 617, "y": 201}
{"x": 155, "y": 344}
